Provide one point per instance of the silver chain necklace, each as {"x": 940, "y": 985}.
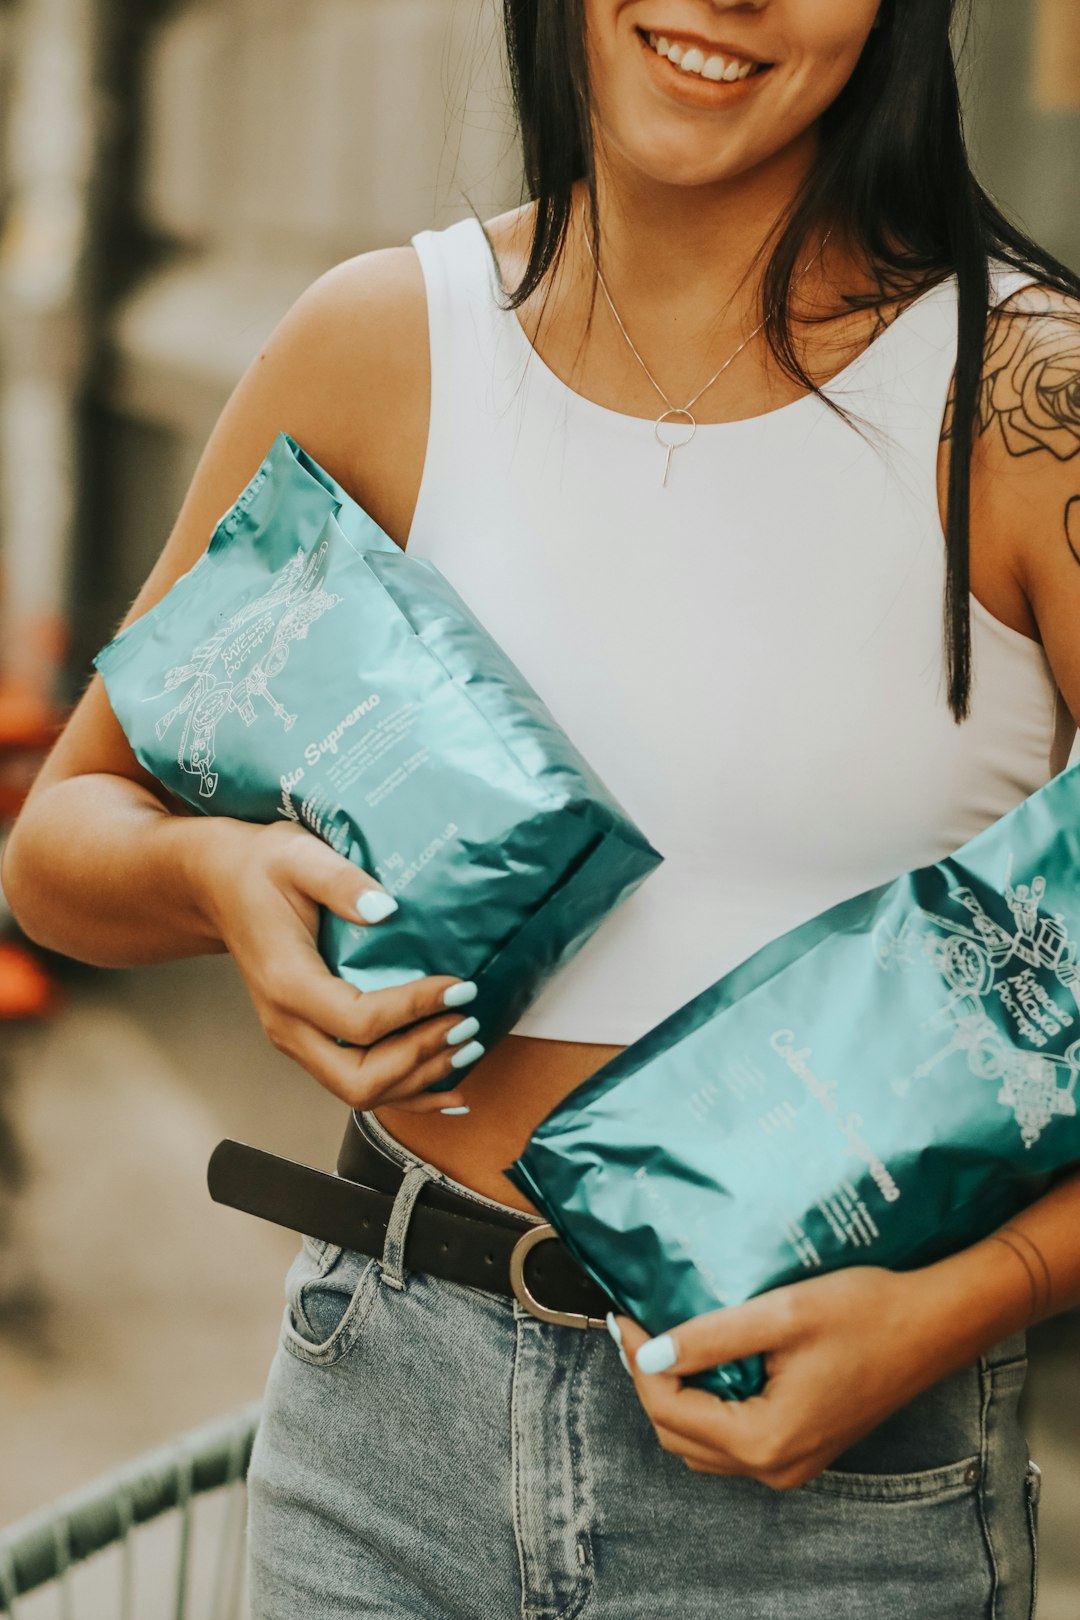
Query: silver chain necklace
{"x": 675, "y": 411}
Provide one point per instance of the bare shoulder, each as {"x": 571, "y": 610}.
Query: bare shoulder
{"x": 364, "y": 393}
{"x": 1030, "y": 394}
{"x": 1026, "y": 466}
{"x": 345, "y": 371}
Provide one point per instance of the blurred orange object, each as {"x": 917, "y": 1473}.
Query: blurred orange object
{"x": 28, "y": 727}
{"x": 26, "y": 720}
{"x": 26, "y": 990}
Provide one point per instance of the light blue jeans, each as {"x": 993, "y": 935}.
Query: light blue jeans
{"x": 431, "y": 1451}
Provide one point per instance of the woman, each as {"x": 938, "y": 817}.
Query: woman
{"x": 731, "y": 594}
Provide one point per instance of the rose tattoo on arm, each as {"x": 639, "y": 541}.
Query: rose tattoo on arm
{"x": 1030, "y": 391}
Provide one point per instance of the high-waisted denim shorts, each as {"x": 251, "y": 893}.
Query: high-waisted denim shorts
{"x": 431, "y": 1451}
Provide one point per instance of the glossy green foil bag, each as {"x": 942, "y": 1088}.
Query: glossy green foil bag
{"x": 307, "y": 668}
{"x": 884, "y": 1084}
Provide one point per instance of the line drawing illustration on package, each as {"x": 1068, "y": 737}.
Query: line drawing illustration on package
{"x": 973, "y": 958}
{"x": 298, "y": 592}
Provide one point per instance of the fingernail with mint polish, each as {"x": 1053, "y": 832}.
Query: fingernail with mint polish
{"x": 468, "y": 1054}
{"x": 657, "y": 1355}
{"x": 463, "y": 1108}
{"x": 613, "y": 1328}
{"x": 458, "y": 994}
{"x": 462, "y": 1031}
{"x": 375, "y": 904}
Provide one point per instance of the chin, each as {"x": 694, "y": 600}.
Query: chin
{"x": 669, "y": 158}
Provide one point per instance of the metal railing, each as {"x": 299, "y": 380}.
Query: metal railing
{"x": 46, "y": 1549}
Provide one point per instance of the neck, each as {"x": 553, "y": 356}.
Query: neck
{"x": 677, "y": 264}
{"x": 679, "y": 257}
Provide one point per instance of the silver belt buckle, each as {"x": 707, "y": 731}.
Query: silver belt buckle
{"x": 528, "y": 1240}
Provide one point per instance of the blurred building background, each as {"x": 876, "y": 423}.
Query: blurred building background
{"x": 172, "y": 175}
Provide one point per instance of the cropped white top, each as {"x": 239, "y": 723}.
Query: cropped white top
{"x": 750, "y": 658}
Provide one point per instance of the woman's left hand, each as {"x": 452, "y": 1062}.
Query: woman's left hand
{"x": 842, "y": 1350}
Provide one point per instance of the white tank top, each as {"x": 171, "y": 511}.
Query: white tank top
{"x": 750, "y": 658}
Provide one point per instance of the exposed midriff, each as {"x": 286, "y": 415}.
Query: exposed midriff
{"x": 509, "y": 1090}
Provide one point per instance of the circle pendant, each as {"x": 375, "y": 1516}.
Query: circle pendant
{"x": 677, "y": 442}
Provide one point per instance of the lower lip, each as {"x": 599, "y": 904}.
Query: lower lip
{"x": 692, "y": 89}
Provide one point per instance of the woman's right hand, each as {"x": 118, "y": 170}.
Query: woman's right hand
{"x": 262, "y": 886}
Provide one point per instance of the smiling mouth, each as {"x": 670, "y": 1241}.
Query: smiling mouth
{"x": 698, "y": 62}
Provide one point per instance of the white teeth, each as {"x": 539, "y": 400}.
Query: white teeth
{"x": 691, "y": 59}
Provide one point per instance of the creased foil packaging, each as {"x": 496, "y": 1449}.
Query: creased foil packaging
{"x": 307, "y": 668}
{"x": 883, "y": 1085}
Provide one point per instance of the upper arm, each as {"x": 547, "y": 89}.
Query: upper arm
{"x": 343, "y": 370}
{"x": 1026, "y": 465}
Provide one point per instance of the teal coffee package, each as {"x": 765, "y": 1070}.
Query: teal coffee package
{"x": 885, "y": 1084}
{"x": 307, "y": 668}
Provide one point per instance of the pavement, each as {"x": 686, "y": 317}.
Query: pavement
{"x": 132, "y": 1308}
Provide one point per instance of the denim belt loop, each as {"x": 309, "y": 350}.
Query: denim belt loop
{"x": 397, "y": 1226}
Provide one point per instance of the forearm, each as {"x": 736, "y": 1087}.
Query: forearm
{"x": 1026, "y": 1271}
{"x": 98, "y": 869}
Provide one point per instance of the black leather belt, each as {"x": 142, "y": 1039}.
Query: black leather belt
{"x": 448, "y": 1234}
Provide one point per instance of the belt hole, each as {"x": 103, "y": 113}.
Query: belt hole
{"x": 489, "y": 1259}
{"x": 444, "y": 1247}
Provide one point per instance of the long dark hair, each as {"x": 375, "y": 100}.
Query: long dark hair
{"x": 893, "y": 175}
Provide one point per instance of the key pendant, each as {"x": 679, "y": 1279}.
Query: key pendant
{"x": 683, "y": 431}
